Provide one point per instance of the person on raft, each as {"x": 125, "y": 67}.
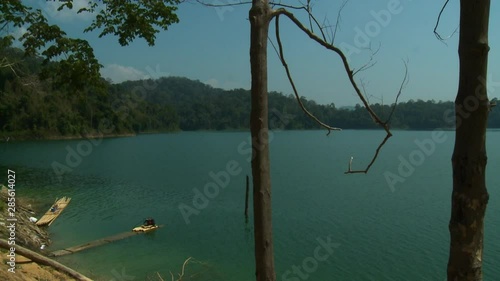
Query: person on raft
{"x": 149, "y": 222}
{"x": 54, "y": 208}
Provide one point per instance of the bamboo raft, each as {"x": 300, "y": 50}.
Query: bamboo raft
{"x": 95, "y": 243}
{"x": 54, "y": 211}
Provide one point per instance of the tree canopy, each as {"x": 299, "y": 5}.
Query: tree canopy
{"x": 77, "y": 67}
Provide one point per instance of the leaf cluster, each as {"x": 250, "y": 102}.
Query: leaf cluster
{"x": 76, "y": 64}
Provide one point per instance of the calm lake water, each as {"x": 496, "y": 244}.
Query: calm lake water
{"x": 376, "y": 230}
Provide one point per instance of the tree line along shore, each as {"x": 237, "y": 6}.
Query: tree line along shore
{"x": 31, "y": 108}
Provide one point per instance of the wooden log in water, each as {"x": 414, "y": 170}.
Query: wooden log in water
{"x": 96, "y": 243}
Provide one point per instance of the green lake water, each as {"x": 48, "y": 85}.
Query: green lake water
{"x": 380, "y": 232}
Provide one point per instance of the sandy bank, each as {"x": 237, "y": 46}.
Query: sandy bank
{"x": 21, "y": 239}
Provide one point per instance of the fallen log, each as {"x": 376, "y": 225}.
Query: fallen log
{"x": 36, "y": 257}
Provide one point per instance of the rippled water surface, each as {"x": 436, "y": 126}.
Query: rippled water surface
{"x": 379, "y": 232}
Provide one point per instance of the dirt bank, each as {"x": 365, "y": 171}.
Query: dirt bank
{"x": 22, "y": 234}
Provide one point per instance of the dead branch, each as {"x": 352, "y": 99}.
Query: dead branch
{"x": 373, "y": 159}
{"x": 362, "y": 82}
{"x": 223, "y": 4}
{"x": 181, "y": 275}
{"x": 279, "y": 4}
{"x": 334, "y": 49}
{"x": 366, "y": 66}
{"x": 309, "y": 12}
{"x": 306, "y": 7}
{"x": 272, "y": 3}
{"x": 349, "y": 71}
{"x": 324, "y": 42}
{"x": 184, "y": 267}
{"x": 338, "y": 20}
{"x": 292, "y": 83}
{"x": 161, "y": 279}
{"x": 38, "y": 258}
{"x": 436, "y": 33}
{"x": 401, "y": 87}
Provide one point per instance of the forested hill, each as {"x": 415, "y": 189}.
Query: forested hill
{"x": 202, "y": 107}
{"x": 30, "y": 108}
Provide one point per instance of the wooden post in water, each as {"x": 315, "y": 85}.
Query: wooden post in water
{"x": 246, "y": 200}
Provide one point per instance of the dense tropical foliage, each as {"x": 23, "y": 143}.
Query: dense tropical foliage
{"x": 30, "y": 108}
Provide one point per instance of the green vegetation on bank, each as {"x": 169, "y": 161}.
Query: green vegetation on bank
{"x": 31, "y": 108}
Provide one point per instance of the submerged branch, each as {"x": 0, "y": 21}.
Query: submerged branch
{"x": 181, "y": 275}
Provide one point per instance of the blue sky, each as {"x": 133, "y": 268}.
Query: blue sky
{"x": 212, "y": 45}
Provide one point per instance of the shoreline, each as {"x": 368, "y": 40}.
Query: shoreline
{"x": 4, "y": 137}
{"x": 23, "y": 258}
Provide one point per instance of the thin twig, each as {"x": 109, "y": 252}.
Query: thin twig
{"x": 292, "y": 83}
{"x": 306, "y": 9}
{"x": 338, "y": 20}
{"x": 364, "y": 90}
{"x": 184, "y": 267}
{"x": 309, "y": 12}
{"x": 370, "y": 62}
{"x": 159, "y": 276}
{"x": 180, "y": 274}
{"x": 436, "y": 33}
{"x": 274, "y": 47}
{"x": 401, "y": 87}
{"x": 223, "y": 5}
{"x": 279, "y": 4}
{"x": 272, "y": 3}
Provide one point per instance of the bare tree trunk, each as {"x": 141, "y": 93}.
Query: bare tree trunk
{"x": 264, "y": 255}
{"x": 470, "y": 197}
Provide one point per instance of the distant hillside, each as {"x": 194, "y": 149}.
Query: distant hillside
{"x": 34, "y": 109}
{"x": 201, "y": 107}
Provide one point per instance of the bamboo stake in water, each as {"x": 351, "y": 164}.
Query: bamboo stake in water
{"x": 246, "y": 200}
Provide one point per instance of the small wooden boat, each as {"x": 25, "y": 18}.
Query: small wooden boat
{"x": 145, "y": 228}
